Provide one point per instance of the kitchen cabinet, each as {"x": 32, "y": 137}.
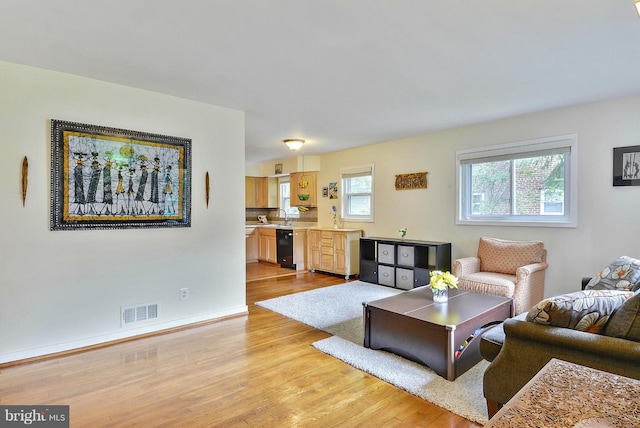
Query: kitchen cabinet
{"x": 313, "y": 240}
{"x": 402, "y": 263}
{"x": 260, "y": 192}
{"x": 334, "y": 250}
{"x": 304, "y": 189}
{"x": 273, "y": 192}
{"x": 300, "y": 249}
{"x": 267, "y": 244}
{"x": 253, "y": 192}
{"x": 251, "y": 236}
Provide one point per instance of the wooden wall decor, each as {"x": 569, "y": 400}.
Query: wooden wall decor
{"x": 416, "y": 180}
{"x": 206, "y": 187}
{"x": 25, "y": 179}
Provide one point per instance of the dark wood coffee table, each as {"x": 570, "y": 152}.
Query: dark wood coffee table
{"x": 443, "y": 336}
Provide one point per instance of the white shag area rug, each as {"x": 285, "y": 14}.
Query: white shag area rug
{"x": 338, "y": 311}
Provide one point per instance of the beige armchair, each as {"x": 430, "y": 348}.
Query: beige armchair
{"x": 512, "y": 269}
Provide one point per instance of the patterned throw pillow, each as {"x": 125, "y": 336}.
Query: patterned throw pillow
{"x": 621, "y": 274}
{"x": 587, "y": 310}
{"x": 625, "y": 322}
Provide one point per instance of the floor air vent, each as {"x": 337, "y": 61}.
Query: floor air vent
{"x": 134, "y": 314}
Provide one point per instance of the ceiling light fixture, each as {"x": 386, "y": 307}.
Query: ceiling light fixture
{"x": 637, "y": 2}
{"x": 294, "y": 144}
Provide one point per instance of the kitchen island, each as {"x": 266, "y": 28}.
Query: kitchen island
{"x": 334, "y": 250}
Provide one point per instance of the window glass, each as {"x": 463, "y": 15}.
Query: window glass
{"x": 357, "y": 193}
{"x": 528, "y": 183}
{"x": 285, "y": 199}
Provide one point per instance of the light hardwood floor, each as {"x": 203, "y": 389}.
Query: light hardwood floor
{"x": 256, "y": 271}
{"x": 257, "y": 370}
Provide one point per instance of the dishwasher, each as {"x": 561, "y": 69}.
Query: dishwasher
{"x": 285, "y": 248}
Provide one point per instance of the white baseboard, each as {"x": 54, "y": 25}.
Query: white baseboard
{"x": 112, "y": 337}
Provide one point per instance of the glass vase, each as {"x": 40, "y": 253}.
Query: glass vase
{"x": 440, "y": 296}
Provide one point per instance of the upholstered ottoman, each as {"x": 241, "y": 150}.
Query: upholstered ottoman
{"x": 492, "y": 340}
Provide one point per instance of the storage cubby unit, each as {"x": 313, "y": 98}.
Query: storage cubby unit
{"x": 401, "y": 263}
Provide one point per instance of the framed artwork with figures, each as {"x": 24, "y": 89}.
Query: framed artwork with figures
{"x": 105, "y": 178}
{"x": 626, "y": 166}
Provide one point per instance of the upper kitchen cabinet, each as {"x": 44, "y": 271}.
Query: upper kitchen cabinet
{"x": 260, "y": 192}
{"x": 254, "y": 192}
{"x": 304, "y": 189}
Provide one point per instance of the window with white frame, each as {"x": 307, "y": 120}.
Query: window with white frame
{"x": 530, "y": 183}
{"x": 357, "y": 193}
{"x": 285, "y": 198}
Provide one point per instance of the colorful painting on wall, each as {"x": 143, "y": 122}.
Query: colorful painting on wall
{"x": 104, "y": 178}
{"x": 333, "y": 190}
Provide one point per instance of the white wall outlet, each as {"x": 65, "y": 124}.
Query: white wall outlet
{"x": 184, "y": 293}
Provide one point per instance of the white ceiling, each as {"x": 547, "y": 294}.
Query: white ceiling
{"x": 340, "y": 73}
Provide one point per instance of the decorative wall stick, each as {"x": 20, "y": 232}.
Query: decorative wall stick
{"x": 206, "y": 186}
{"x": 25, "y": 179}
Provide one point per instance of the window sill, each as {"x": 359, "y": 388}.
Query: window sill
{"x": 518, "y": 223}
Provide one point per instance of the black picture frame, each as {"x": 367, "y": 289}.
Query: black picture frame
{"x": 110, "y": 178}
{"x": 626, "y": 166}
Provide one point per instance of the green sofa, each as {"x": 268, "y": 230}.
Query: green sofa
{"x": 518, "y": 349}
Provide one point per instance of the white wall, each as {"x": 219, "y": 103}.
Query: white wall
{"x": 608, "y": 223}
{"x": 61, "y": 290}
{"x": 292, "y": 164}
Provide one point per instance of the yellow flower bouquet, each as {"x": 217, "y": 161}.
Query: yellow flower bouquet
{"x": 442, "y": 280}
{"x": 440, "y": 284}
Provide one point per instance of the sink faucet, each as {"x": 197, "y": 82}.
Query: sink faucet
{"x": 287, "y": 220}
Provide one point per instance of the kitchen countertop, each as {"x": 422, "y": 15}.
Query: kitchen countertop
{"x": 338, "y": 230}
{"x": 277, "y": 226}
{"x": 297, "y": 227}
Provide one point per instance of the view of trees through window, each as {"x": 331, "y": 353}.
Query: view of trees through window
{"x": 285, "y": 199}
{"x": 522, "y": 187}
{"x": 358, "y": 192}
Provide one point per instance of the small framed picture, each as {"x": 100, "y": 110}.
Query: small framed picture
{"x": 626, "y": 166}
{"x": 325, "y": 192}
{"x": 278, "y": 168}
{"x": 333, "y": 190}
